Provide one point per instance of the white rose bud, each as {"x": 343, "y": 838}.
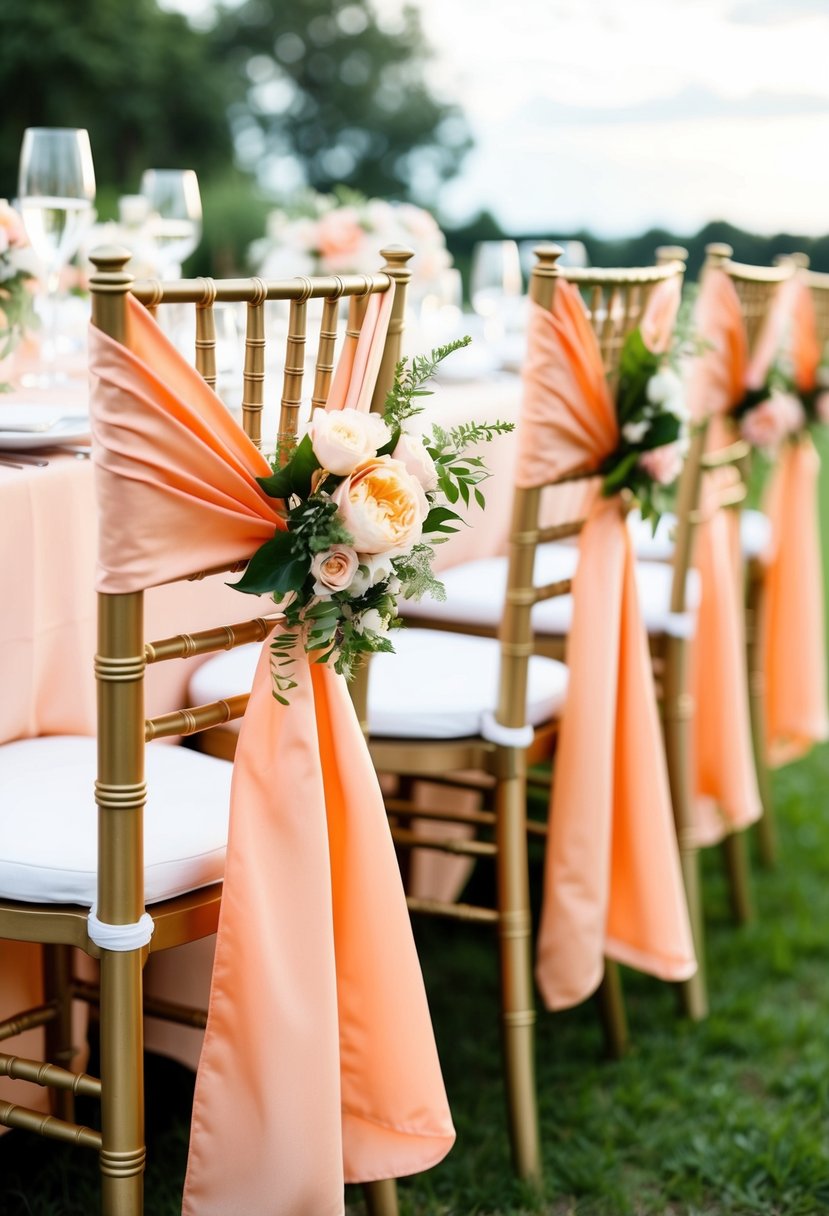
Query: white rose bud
{"x": 635, "y": 432}
{"x": 371, "y": 621}
{"x": 342, "y": 439}
{"x": 663, "y": 386}
{"x": 411, "y": 452}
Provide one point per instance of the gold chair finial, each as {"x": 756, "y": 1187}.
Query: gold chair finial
{"x": 717, "y": 253}
{"x": 109, "y": 286}
{"x": 670, "y": 253}
{"x": 798, "y": 259}
{"x": 545, "y": 272}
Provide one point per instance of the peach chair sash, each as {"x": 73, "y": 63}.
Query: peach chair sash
{"x": 612, "y": 877}
{"x": 319, "y": 1064}
{"x": 725, "y": 777}
{"x": 792, "y": 633}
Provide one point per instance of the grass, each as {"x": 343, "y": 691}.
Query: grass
{"x": 729, "y": 1117}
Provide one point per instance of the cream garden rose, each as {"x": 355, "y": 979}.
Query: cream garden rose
{"x": 334, "y": 569}
{"x": 411, "y": 451}
{"x": 343, "y": 439}
{"x": 382, "y": 505}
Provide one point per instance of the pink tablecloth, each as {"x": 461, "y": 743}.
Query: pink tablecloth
{"x": 47, "y": 644}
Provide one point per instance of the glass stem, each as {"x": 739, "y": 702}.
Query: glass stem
{"x": 49, "y": 347}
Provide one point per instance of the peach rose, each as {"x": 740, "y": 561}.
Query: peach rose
{"x": 663, "y": 464}
{"x": 339, "y": 237}
{"x": 342, "y": 439}
{"x": 334, "y": 569}
{"x": 822, "y": 408}
{"x": 411, "y": 451}
{"x": 768, "y": 424}
{"x": 382, "y": 506}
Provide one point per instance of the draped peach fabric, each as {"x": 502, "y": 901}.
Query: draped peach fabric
{"x": 318, "y": 1064}
{"x": 792, "y": 634}
{"x": 726, "y": 779}
{"x": 612, "y": 878}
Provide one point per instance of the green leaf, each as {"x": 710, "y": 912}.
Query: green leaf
{"x": 275, "y": 566}
{"x": 617, "y": 477}
{"x": 438, "y": 519}
{"x": 294, "y": 477}
{"x": 663, "y": 429}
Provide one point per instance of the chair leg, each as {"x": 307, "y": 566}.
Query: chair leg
{"x": 57, "y": 977}
{"x": 514, "y": 942}
{"x": 767, "y": 826}
{"x": 739, "y": 883}
{"x": 677, "y": 713}
{"x": 611, "y": 1000}
{"x": 381, "y": 1198}
{"x": 122, "y": 1084}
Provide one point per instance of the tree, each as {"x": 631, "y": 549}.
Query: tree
{"x": 144, "y": 82}
{"x": 331, "y": 89}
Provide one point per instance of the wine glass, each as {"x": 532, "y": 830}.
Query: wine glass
{"x": 56, "y": 189}
{"x": 175, "y": 215}
{"x": 495, "y": 284}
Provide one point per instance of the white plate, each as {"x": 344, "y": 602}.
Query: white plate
{"x": 40, "y": 425}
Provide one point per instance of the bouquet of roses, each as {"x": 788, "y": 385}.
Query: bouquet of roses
{"x": 363, "y": 502}
{"x": 342, "y": 233}
{"x": 17, "y": 270}
{"x": 781, "y": 408}
{"x": 653, "y": 425}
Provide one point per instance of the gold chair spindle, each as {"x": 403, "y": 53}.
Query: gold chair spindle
{"x": 254, "y": 370}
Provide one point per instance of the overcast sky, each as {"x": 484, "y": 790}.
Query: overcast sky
{"x": 618, "y": 114}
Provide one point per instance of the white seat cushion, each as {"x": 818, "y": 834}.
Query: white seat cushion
{"x": 49, "y": 823}
{"x": 755, "y": 536}
{"x": 475, "y": 594}
{"x": 435, "y": 685}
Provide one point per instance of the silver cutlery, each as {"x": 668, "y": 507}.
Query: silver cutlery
{"x": 22, "y": 458}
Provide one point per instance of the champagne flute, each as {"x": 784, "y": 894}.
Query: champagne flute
{"x": 174, "y": 223}
{"x": 56, "y": 189}
{"x": 495, "y": 284}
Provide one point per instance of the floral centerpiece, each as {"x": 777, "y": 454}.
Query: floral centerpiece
{"x": 343, "y": 233}
{"x": 17, "y": 272}
{"x": 363, "y": 503}
{"x": 653, "y": 424}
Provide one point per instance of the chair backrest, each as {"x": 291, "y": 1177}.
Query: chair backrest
{"x": 615, "y": 300}
{"x": 755, "y": 285}
{"x": 123, "y": 652}
{"x": 819, "y": 287}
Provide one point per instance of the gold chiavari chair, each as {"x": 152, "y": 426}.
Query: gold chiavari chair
{"x": 615, "y": 300}
{"x": 51, "y": 870}
{"x": 756, "y": 287}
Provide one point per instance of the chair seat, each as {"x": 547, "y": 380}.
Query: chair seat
{"x": 755, "y": 536}
{"x": 475, "y": 593}
{"x": 49, "y": 828}
{"x": 435, "y": 685}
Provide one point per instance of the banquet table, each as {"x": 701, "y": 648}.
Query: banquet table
{"x": 48, "y": 542}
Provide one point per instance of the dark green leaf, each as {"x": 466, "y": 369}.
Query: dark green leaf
{"x": 274, "y": 567}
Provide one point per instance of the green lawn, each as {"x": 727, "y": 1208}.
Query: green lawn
{"x": 730, "y": 1117}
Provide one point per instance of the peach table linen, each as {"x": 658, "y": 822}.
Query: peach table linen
{"x": 613, "y": 885}
{"x": 319, "y": 1064}
{"x": 726, "y": 780}
{"x": 792, "y": 634}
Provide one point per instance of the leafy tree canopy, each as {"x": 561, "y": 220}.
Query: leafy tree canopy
{"x": 143, "y": 81}
{"x": 329, "y": 87}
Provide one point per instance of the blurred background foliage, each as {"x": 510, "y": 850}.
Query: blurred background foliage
{"x": 261, "y": 98}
